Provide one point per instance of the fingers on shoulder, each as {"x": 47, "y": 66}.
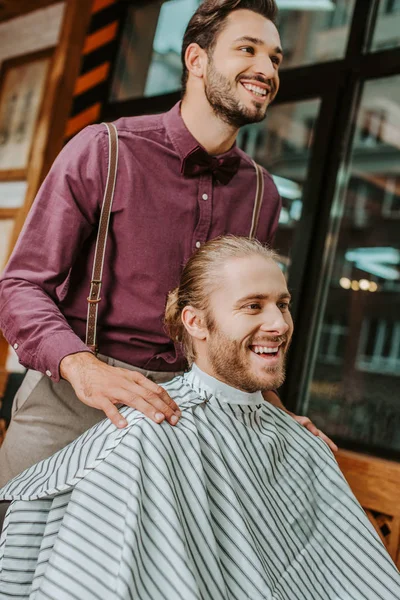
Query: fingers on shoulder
{"x": 113, "y": 413}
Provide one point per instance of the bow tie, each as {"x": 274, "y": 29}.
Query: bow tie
{"x": 198, "y": 162}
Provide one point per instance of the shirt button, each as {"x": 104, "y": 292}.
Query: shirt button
{"x": 205, "y": 196}
{"x": 15, "y": 346}
{"x": 48, "y": 373}
{"x": 198, "y": 244}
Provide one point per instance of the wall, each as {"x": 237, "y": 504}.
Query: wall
{"x": 32, "y": 32}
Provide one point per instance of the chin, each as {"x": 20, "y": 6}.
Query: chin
{"x": 257, "y": 113}
{"x": 273, "y": 379}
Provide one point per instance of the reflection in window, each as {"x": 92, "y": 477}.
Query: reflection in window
{"x": 282, "y": 143}
{"x": 149, "y": 62}
{"x": 333, "y": 335}
{"x": 379, "y": 347}
{"x": 354, "y": 394}
{"x": 387, "y": 29}
{"x": 317, "y": 34}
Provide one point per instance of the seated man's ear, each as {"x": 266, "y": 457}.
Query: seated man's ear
{"x": 194, "y": 322}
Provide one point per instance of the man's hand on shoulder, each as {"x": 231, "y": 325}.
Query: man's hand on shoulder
{"x": 101, "y": 386}
{"x": 304, "y": 421}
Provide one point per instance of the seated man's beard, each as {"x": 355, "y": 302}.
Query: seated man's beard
{"x": 220, "y": 95}
{"x": 231, "y": 363}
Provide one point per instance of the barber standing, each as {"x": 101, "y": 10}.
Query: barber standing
{"x": 181, "y": 180}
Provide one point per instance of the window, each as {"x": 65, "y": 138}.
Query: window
{"x": 387, "y": 30}
{"x": 149, "y": 62}
{"x": 355, "y": 387}
{"x": 282, "y": 143}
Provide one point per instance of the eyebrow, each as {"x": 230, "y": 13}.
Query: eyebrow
{"x": 284, "y": 295}
{"x": 257, "y": 42}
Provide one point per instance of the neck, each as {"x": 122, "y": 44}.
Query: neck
{"x": 210, "y": 131}
{"x": 225, "y": 390}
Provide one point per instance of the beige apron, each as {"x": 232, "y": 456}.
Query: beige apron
{"x": 47, "y": 416}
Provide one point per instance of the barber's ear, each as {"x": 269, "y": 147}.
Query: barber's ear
{"x": 195, "y": 60}
{"x": 194, "y": 322}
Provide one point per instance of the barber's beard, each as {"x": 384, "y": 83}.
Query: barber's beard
{"x": 221, "y": 95}
{"x": 231, "y": 363}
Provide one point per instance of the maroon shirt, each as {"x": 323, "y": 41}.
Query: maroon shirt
{"x": 158, "y": 216}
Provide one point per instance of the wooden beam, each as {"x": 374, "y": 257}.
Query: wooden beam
{"x": 9, "y": 9}
{"x": 375, "y": 482}
{"x": 57, "y": 103}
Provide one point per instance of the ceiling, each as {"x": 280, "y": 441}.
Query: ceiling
{"x": 15, "y": 8}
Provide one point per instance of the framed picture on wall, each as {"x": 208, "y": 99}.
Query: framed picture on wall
{"x": 22, "y": 85}
{"x": 12, "y": 195}
{"x": 6, "y": 229}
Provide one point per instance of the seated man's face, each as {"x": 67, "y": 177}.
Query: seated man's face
{"x": 250, "y": 326}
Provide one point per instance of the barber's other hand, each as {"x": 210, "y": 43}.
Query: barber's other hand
{"x": 308, "y": 424}
{"x": 274, "y": 399}
{"x": 101, "y": 386}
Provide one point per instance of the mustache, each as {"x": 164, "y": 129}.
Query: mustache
{"x": 260, "y": 79}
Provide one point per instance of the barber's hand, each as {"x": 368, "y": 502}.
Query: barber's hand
{"x": 101, "y": 386}
{"x": 274, "y": 399}
{"x": 308, "y": 424}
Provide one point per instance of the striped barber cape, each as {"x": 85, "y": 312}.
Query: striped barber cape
{"x": 236, "y": 502}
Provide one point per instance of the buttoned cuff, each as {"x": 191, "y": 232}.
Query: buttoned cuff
{"x": 54, "y": 348}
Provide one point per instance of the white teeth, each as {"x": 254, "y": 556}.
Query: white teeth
{"x": 256, "y": 89}
{"x": 265, "y": 350}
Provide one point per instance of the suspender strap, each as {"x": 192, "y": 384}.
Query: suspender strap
{"x": 101, "y": 242}
{"x": 257, "y": 200}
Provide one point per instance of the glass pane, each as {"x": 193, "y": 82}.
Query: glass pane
{"x": 12, "y": 194}
{"x": 314, "y": 30}
{"x": 149, "y": 62}
{"x": 282, "y": 144}
{"x": 354, "y": 394}
{"x": 387, "y": 29}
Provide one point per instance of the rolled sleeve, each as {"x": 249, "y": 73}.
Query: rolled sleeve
{"x": 54, "y": 349}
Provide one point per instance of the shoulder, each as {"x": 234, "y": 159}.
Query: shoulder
{"x": 139, "y": 129}
{"x": 307, "y": 442}
{"x": 247, "y": 168}
{"x": 127, "y": 127}
{"x": 180, "y": 390}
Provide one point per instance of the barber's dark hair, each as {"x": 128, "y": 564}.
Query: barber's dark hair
{"x": 209, "y": 20}
{"x": 200, "y": 277}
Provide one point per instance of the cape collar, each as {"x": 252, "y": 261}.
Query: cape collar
{"x": 210, "y": 386}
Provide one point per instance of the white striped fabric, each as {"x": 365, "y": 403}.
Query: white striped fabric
{"x": 237, "y": 502}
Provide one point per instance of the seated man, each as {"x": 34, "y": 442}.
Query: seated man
{"x": 238, "y": 501}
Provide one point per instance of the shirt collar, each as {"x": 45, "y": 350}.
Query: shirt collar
{"x": 206, "y": 384}
{"x": 183, "y": 141}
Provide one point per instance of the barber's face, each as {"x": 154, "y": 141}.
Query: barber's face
{"x": 242, "y": 76}
{"x": 250, "y": 325}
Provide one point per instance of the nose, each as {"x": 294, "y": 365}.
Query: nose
{"x": 265, "y": 67}
{"x": 274, "y": 322}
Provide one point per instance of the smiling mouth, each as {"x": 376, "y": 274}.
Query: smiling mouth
{"x": 267, "y": 353}
{"x": 256, "y": 91}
